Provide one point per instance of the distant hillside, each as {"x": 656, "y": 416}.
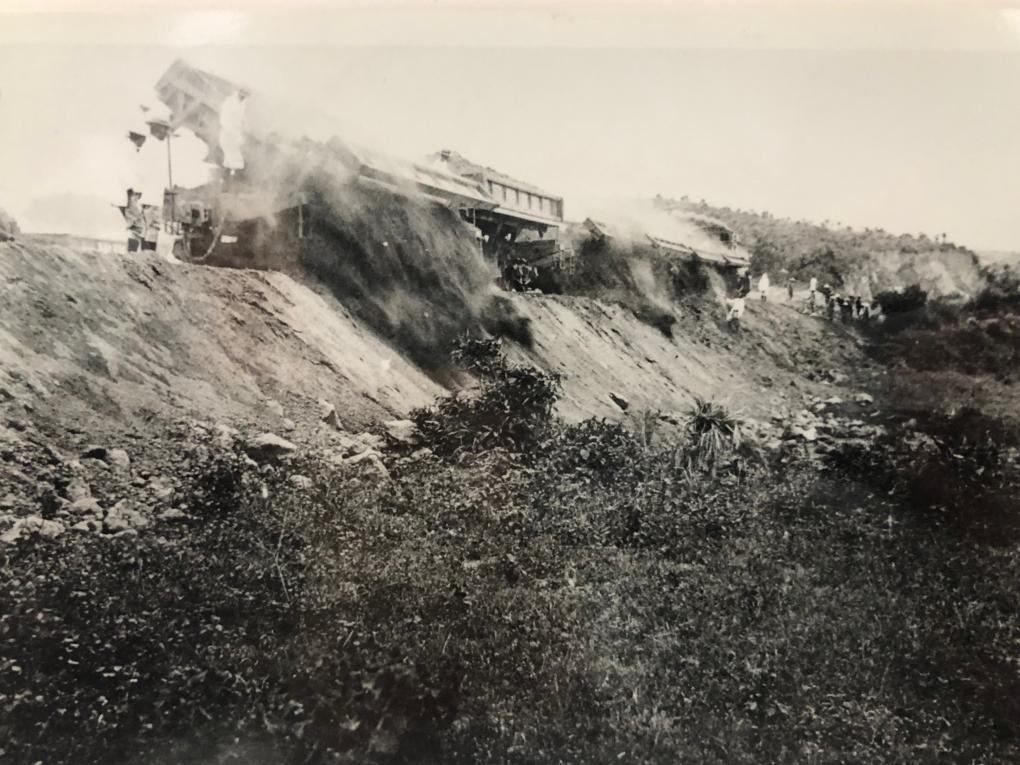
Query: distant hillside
{"x": 869, "y": 259}
{"x": 998, "y": 257}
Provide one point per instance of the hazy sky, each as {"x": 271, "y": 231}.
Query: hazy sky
{"x": 905, "y": 118}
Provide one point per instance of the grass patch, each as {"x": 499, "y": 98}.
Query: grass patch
{"x": 582, "y": 595}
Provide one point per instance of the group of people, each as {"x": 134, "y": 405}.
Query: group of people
{"x": 142, "y": 221}
{"x": 848, "y": 306}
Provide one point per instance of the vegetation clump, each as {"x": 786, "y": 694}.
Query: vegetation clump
{"x": 538, "y": 592}
{"x": 510, "y": 409}
{"x": 910, "y": 299}
{"x": 711, "y": 434}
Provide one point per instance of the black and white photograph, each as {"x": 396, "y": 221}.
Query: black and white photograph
{"x": 536, "y": 383}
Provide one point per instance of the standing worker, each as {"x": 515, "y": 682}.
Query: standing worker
{"x": 789, "y": 289}
{"x": 736, "y": 311}
{"x": 232, "y": 132}
{"x": 763, "y": 286}
{"x": 744, "y": 282}
{"x": 846, "y": 308}
{"x": 135, "y": 219}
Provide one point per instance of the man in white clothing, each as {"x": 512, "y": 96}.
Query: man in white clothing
{"x": 736, "y": 311}
{"x": 232, "y": 131}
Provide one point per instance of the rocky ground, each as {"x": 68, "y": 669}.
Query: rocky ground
{"x": 119, "y": 489}
{"x": 51, "y": 483}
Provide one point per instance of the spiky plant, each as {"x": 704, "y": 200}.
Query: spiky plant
{"x": 711, "y": 433}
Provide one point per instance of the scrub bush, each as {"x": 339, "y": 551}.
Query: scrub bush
{"x": 511, "y": 408}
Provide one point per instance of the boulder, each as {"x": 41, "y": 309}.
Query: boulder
{"x": 118, "y": 458}
{"x": 371, "y": 440}
{"x": 86, "y": 506}
{"x": 300, "y": 481}
{"x": 161, "y": 489}
{"x": 401, "y": 431}
{"x": 327, "y": 413}
{"x": 275, "y": 407}
{"x": 268, "y": 447}
{"x": 31, "y": 525}
{"x": 288, "y": 426}
{"x": 77, "y": 488}
{"x": 808, "y": 433}
{"x": 371, "y": 458}
{"x": 363, "y": 442}
{"x": 122, "y": 516}
{"x": 864, "y": 398}
{"x": 224, "y": 435}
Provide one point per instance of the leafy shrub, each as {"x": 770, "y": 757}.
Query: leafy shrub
{"x": 511, "y": 409}
{"x": 910, "y": 299}
{"x": 599, "y": 448}
{"x": 482, "y": 356}
{"x": 1001, "y": 293}
{"x": 874, "y": 462}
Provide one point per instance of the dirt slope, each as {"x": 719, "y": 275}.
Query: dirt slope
{"x": 601, "y": 348}
{"x": 102, "y": 340}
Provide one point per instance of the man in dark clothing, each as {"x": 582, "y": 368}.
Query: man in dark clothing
{"x": 846, "y": 309}
{"x": 746, "y": 284}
